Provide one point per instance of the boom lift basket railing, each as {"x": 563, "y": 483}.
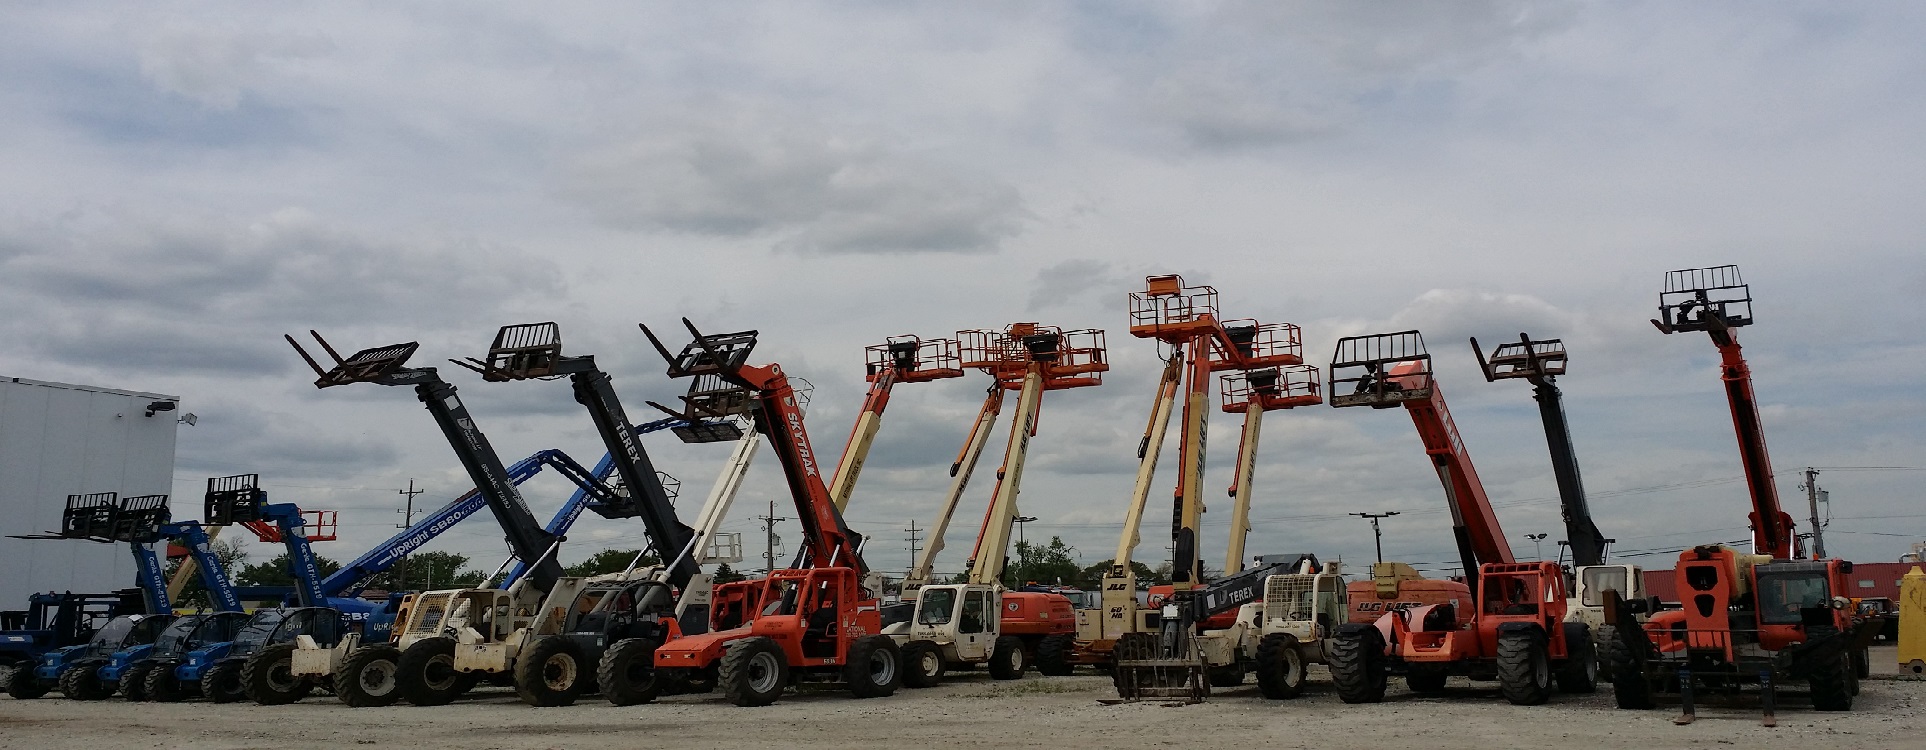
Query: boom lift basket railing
{"x": 1071, "y": 358}
{"x": 1380, "y": 370}
{"x": 1166, "y": 307}
{"x": 1260, "y": 345}
{"x": 1704, "y": 299}
{"x": 1524, "y": 358}
{"x": 914, "y": 359}
{"x": 1271, "y": 388}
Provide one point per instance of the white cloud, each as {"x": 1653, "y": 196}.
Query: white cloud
{"x": 216, "y": 65}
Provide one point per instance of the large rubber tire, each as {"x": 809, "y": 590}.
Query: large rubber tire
{"x": 1579, "y": 673}
{"x": 162, "y": 686}
{"x": 1280, "y": 668}
{"x": 1861, "y": 664}
{"x": 875, "y": 667}
{"x": 753, "y": 672}
{"x": 81, "y": 682}
{"x": 426, "y": 674}
{"x": 221, "y": 683}
{"x": 1053, "y": 655}
{"x": 1007, "y": 658}
{"x": 1356, "y": 660}
{"x": 1832, "y": 685}
{"x": 369, "y": 677}
{"x": 1631, "y": 689}
{"x": 133, "y": 681}
{"x": 553, "y": 672}
{"x": 627, "y": 675}
{"x": 1228, "y": 675}
{"x": 922, "y": 664}
{"x": 22, "y": 685}
{"x": 1429, "y": 679}
{"x": 269, "y": 678}
{"x": 1524, "y": 667}
{"x": 1602, "y": 640}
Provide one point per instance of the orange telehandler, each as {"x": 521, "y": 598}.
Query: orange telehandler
{"x": 1505, "y": 621}
{"x": 1765, "y": 617}
{"x": 816, "y": 621}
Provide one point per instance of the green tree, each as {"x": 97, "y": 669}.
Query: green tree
{"x": 231, "y": 553}
{"x": 609, "y": 561}
{"x": 441, "y": 570}
{"x": 1091, "y": 578}
{"x": 726, "y": 574}
{"x": 275, "y": 572}
{"x": 1051, "y": 563}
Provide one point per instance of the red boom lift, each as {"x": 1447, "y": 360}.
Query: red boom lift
{"x": 816, "y": 621}
{"x": 1514, "y": 630}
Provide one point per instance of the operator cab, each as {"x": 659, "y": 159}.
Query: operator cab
{"x": 1787, "y": 589}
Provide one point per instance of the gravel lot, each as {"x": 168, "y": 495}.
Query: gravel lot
{"x": 971, "y": 710}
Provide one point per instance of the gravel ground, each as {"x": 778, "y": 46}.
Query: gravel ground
{"x": 971, "y": 710}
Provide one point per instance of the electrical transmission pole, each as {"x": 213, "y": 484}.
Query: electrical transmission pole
{"x": 407, "y": 512}
{"x": 1812, "y": 498}
{"x": 913, "y": 541}
{"x": 769, "y": 531}
{"x": 1376, "y": 534}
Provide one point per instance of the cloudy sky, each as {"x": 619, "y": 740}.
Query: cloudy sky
{"x": 186, "y": 182}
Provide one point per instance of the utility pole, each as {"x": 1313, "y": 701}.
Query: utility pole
{"x": 1023, "y": 545}
{"x": 1376, "y": 533}
{"x": 769, "y": 532}
{"x": 1538, "y": 544}
{"x": 1812, "y": 499}
{"x": 913, "y": 541}
{"x": 407, "y": 512}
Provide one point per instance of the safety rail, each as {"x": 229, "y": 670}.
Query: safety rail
{"x": 1694, "y": 293}
{"x": 1167, "y": 309}
{"x": 1259, "y": 345}
{"x": 1071, "y": 359}
{"x": 1380, "y": 370}
{"x": 914, "y": 359}
{"x": 1271, "y": 388}
{"x": 1524, "y": 358}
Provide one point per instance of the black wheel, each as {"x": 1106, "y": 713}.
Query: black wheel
{"x": 1831, "y": 685}
{"x": 369, "y": 676}
{"x": 1630, "y": 687}
{"x": 1524, "y": 667}
{"x": 1579, "y": 673}
{"x": 753, "y": 672}
{"x": 1228, "y": 675}
{"x": 426, "y": 674}
{"x": 221, "y": 683}
{"x": 1007, "y": 658}
{"x": 627, "y": 673}
{"x": 269, "y": 679}
{"x": 81, "y": 682}
{"x": 23, "y": 685}
{"x": 552, "y": 672}
{"x": 1426, "y": 678}
{"x": 162, "y": 686}
{"x": 922, "y": 664}
{"x": 1357, "y": 664}
{"x": 133, "y": 681}
{"x": 1861, "y": 665}
{"x": 875, "y": 667}
{"x": 1280, "y": 668}
{"x": 1053, "y": 655}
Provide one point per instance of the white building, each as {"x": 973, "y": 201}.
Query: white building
{"x": 58, "y": 440}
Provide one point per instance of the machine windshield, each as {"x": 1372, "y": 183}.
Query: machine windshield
{"x": 1597, "y": 579}
{"x": 116, "y": 630}
{"x": 935, "y": 606}
{"x": 170, "y": 640}
{"x": 257, "y": 630}
{"x": 1782, "y": 595}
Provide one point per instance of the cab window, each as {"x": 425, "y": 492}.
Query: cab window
{"x": 935, "y": 606}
